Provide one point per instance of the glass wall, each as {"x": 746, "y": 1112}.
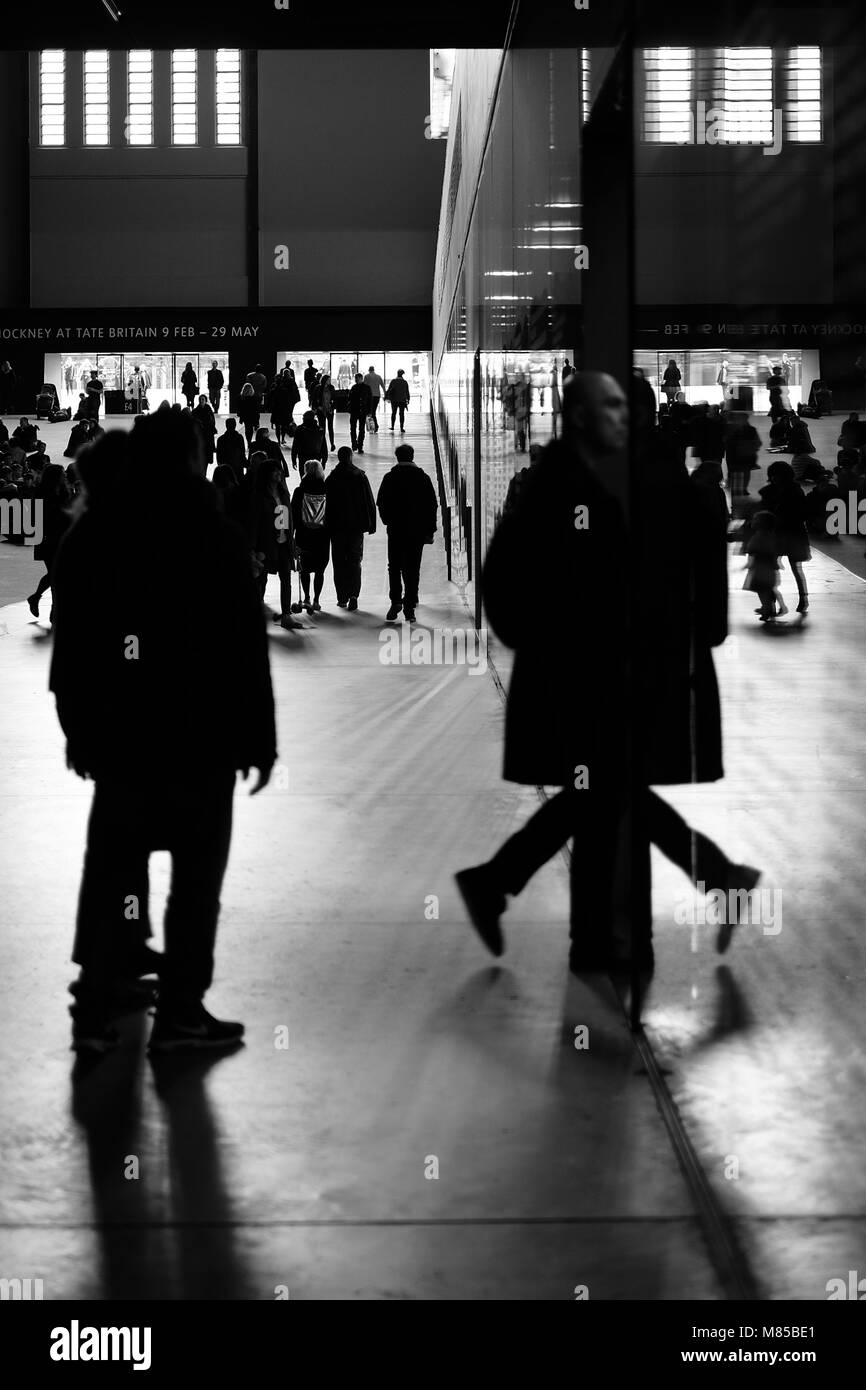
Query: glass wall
{"x": 715, "y": 374}
{"x": 343, "y": 363}
{"x": 506, "y": 284}
{"x": 161, "y": 373}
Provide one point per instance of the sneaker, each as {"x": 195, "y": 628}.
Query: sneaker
{"x": 195, "y": 1029}
{"x": 393, "y": 613}
{"x": 409, "y": 615}
{"x": 485, "y": 904}
{"x": 352, "y": 605}
{"x": 738, "y": 876}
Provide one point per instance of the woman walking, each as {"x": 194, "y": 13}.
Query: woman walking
{"x": 311, "y": 538}
{"x": 189, "y": 384}
{"x": 248, "y": 411}
{"x": 273, "y": 543}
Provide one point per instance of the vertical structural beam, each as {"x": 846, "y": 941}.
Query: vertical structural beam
{"x": 250, "y": 137}
{"x": 476, "y": 488}
{"x": 607, "y": 345}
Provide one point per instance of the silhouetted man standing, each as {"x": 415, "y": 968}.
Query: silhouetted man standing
{"x": 215, "y": 384}
{"x": 143, "y": 679}
{"x": 407, "y": 505}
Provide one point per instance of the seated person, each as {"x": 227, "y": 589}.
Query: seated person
{"x": 25, "y": 435}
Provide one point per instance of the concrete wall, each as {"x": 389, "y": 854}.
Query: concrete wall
{"x": 347, "y": 180}
{"x": 137, "y": 227}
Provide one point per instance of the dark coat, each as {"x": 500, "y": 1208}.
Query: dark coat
{"x": 284, "y": 398}
{"x": 682, "y": 534}
{"x": 787, "y": 502}
{"x": 231, "y": 450}
{"x": 207, "y": 428}
{"x": 566, "y": 696}
{"x": 118, "y": 573}
{"x": 309, "y": 443}
{"x": 407, "y": 502}
{"x": 189, "y": 383}
{"x": 350, "y": 508}
{"x": 360, "y": 401}
{"x": 267, "y": 534}
{"x": 398, "y": 391}
{"x": 249, "y": 410}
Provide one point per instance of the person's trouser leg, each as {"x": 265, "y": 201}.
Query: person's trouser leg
{"x": 44, "y": 583}
{"x": 353, "y": 555}
{"x": 284, "y": 570}
{"x": 362, "y": 430}
{"x": 700, "y": 859}
{"x": 522, "y": 855}
{"x": 393, "y": 415}
{"x": 330, "y": 422}
{"x": 402, "y": 410}
{"x": 800, "y": 579}
{"x": 353, "y": 430}
{"x": 395, "y": 563}
{"x": 305, "y": 584}
{"x": 200, "y": 831}
{"x": 411, "y": 566}
{"x": 215, "y": 401}
{"x": 113, "y": 902}
{"x": 318, "y": 584}
{"x": 374, "y": 413}
{"x": 338, "y": 561}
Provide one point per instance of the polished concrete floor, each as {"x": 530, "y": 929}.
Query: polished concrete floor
{"x": 431, "y": 1131}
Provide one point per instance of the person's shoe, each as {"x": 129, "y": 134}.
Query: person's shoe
{"x": 33, "y": 605}
{"x": 308, "y": 607}
{"x": 485, "y": 904}
{"x": 352, "y": 605}
{"x": 341, "y": 603}
{"x": 393, "y": 613}
{"x": 291, "y": 624}
{"x": 803, "y": 606}
{"x": 194, "y": 1029}
{"x": 297, "y": 607}
{"x": 317, "y": 607}
{"x": 738, "y": 876}
{"x": 409, "y": 615}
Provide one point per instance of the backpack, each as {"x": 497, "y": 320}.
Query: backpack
{"x": 313, "y": 511}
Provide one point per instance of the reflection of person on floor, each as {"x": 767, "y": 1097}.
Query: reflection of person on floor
{"x": 134, "y": 674}
{"x": 566, "y": 718}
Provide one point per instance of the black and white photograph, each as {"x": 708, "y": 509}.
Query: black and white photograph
{"x": 432, "y": 629}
